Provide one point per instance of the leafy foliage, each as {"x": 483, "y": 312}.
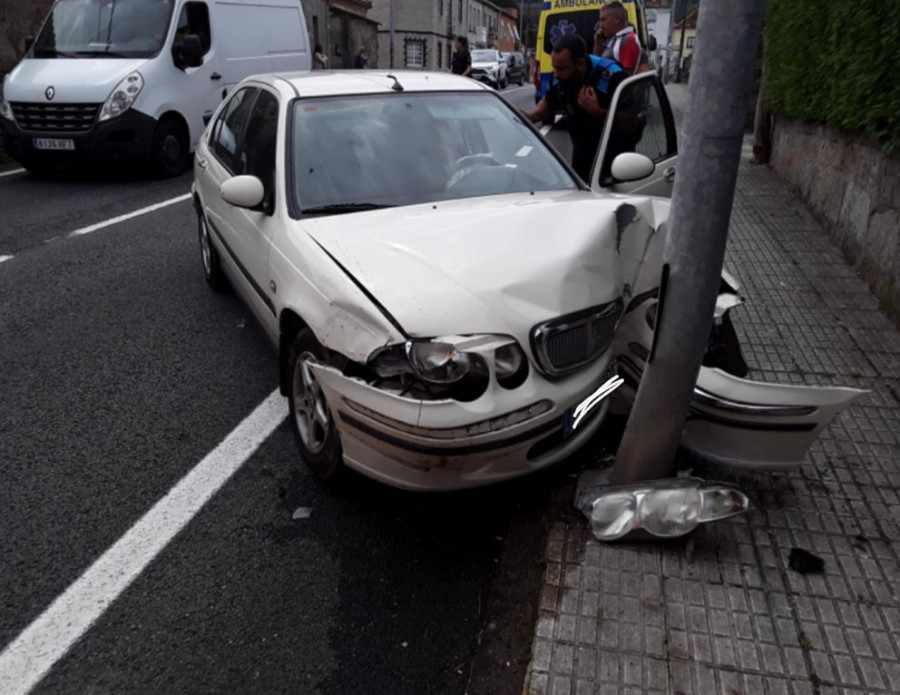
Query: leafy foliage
{"x": 835, "y": 63}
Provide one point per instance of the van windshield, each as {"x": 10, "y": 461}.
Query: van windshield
{"x": 104, "y": 29}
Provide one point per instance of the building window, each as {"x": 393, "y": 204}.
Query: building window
{"x": 440, "y": 52}
{"x": 441, "y": 8}
{"x": 690, "y": 41}
{"x": 460, "y": 10}
{"x": 415, "y": 53}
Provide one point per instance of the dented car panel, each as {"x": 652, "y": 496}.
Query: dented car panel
{"x": 514, "y": 260}
{"x": 447, "y": 445}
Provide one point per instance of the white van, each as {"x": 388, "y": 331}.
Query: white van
{"x": 110, "y": 80}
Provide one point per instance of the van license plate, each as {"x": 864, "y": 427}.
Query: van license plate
{"x": 53, "y": 144}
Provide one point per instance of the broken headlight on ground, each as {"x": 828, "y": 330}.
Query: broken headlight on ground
{"x": 658, "y": 508}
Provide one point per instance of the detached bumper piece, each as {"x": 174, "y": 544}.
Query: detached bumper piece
{"x": 659, "y": 508}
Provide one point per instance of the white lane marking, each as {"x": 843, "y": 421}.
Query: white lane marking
{"x": 129, "y": 215}
{"x": 546, "y": 129}
{"x": 10, "y": 173}
{"x": 5, "y": 258}
{"x": 34, "y": 652}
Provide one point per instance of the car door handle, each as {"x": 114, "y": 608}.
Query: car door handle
{"x": 202, "y": 162}
{"x": 215, "y": 76}
{"x": 669, "y": 174}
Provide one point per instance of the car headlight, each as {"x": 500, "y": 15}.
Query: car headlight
{"x": 438, "y": 362}
{"x": 5, "y": 108}
{"x": 122, "y": 97}
{"x": 510, "y": 365}
{"x": 661, "y": 508}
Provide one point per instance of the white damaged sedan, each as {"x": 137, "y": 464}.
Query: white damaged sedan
{"x": 452, "y": 305}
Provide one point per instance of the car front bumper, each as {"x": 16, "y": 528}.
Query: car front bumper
{"x": 448, "y": 445}
{"x": 127, "y": 137}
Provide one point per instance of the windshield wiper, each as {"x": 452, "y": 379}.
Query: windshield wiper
{"x": 52, "y": 53}
{"x": 101, "y": 54}
{"x": 338, "y": 208}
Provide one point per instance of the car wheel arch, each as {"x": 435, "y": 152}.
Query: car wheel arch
{"x": 290, "y": 324}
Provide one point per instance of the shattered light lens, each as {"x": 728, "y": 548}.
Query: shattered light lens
{"x": 441, "y": 363}
{"x": 661, "y": 508}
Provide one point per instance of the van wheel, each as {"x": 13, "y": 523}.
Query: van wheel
{"x": 170, "y": 149}
{"x": 314, "y": 429}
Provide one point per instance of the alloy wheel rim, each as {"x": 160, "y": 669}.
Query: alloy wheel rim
{"x": 311, "y": 415}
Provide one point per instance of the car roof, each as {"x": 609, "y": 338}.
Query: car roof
{"x": 321, "y": 83}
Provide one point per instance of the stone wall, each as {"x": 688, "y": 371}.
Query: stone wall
{"x": 855, "y": 189}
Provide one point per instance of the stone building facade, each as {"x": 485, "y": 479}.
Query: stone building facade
{"x": 423, "y": 32}
{"x": 342, "y": 27}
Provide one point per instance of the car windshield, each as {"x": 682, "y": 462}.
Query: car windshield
{"x": 104, "y": 29}
{"x": 485, "y": 56}
{"x": 359, "y": 152}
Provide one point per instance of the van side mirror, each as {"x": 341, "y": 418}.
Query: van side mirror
{"x": 29, "y": 42}
{"x": 188, "y": 53}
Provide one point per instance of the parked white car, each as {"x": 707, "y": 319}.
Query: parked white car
{"x": 452, "y": 306}
{"x": 490, "y": 67}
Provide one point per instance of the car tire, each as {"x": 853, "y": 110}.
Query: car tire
{"x": 209, "y": 257}
{"x": 170, "y": 149}
{"x": 311, "y": 419}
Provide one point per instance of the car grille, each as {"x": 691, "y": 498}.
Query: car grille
{"x": 568, "y": 343}
{"x": 60, "y": 118}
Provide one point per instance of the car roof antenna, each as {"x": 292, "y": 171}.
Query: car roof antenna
{"x": 397, "y": 86}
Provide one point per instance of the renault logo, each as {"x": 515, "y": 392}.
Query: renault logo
{"x": 50, "y": 93}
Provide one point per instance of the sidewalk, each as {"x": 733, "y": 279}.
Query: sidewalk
{"x": 722, "y": 612}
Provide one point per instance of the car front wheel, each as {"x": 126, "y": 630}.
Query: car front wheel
{"x": 170, "y": 149}
{"x": 313, "y": 425}
{"x": 212, "y": 265}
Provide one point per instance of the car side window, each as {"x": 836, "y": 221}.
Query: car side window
{"x": 229, "y": 130}
{"x": 194, "y": 19}
{"x": 260, "y": 144}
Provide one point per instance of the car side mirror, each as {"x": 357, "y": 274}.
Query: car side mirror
{"x": 188, "y": 53}
{"x": 631, "y": 166}
{"x": 652, "y": 44}
{"x": 29, "y": 42}
{"x": 243, "y": 191}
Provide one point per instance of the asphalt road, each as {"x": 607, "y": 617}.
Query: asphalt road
{"x": 120, "y": 372}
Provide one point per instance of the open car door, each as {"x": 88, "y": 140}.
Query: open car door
{"x": 638, "y": 151}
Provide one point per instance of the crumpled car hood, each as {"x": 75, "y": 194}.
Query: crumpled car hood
{"x": 485, "y": 265}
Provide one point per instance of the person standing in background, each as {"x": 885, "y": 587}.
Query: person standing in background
{"x": 461, "y": 62}
{"x": 360, "y": 61}
{"x": 320, "y": 60}
{"x": 616, "y": 39}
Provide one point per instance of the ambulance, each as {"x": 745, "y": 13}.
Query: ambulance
{"x": 561, "y": 17}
